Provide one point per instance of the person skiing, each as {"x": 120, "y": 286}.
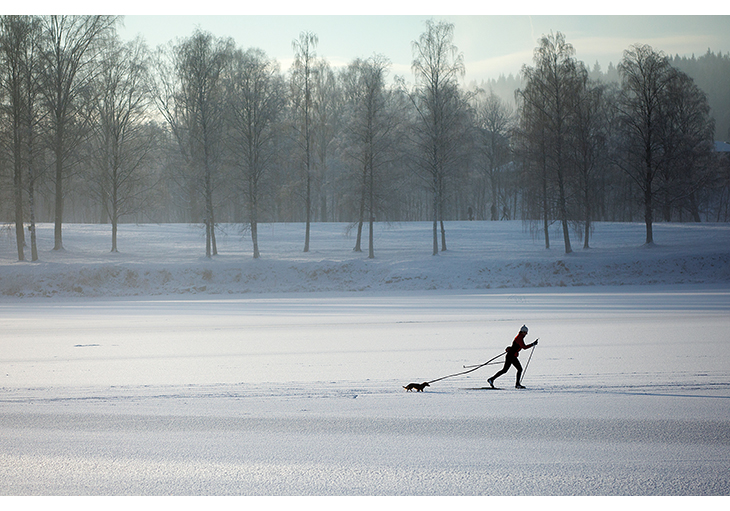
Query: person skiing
{"x": 511, "y": 359}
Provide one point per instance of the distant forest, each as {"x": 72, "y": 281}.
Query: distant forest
{"x": 96, "y": 129}
{"x": 711, "y": 73}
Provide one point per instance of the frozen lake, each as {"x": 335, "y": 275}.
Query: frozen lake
{"x": 301, "y": 394}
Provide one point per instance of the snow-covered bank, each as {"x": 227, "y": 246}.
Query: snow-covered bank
{"x": 169, "y": 259}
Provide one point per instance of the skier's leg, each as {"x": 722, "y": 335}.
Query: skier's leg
{"x": 507, "y": 363}
{"x": 517, "y": 364}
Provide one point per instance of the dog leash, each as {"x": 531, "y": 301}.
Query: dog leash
{"x": 470, "y": 370}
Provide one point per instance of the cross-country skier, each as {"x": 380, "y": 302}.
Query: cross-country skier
{"x": 511, "y": 359}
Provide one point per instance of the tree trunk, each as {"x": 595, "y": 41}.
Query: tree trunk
{"x": 214, "y": 245}
{"x": 114, "y": 215}
{"x": 694, "y": 209}
{"x": 31, "y": 201}
{"x": 545, "y": 209}
{"x": 435, "y": 218}
{"x": 114, "y": 234}
{"x": 566, "y": 236}
{"x": 586, "y": 205}
{"x": 208, "y": 220}
{"x": 18, "y": 192}
{"x": 210, "y": 246}
{"x": 564, "y": 219}
{"x": 208, "y": 252}
{"x": 495, "y": 207}
{"x": 254, "y": 218}
{"x": 358, "y": 247}
{"x": 371, "y": 238}
{"x": 31, "y": 192}
{"x": 648, "y": 206}
{"x": 255, "y": 239}
{"x": 57, "y": 236}
{"x": 308, "y": 211}
{"x": 587, "y": 221}
{"x": 361, "y": 219}
{"x": 443, "y": 236}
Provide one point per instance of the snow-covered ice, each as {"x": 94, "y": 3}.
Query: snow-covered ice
{"x": 284, "y": 376}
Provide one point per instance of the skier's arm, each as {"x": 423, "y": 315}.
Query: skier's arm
{"x": 524, "y": 346}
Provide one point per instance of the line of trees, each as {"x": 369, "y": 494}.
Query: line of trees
{"x": 653, "y": 129}
{"x": 99, "y": 130}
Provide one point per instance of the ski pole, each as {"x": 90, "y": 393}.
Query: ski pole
{"x": 528, "y": 363}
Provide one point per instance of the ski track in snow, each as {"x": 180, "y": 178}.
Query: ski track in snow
{"x": 157, "y": 373}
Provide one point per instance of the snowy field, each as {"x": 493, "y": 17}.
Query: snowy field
{"x": 170, "y": 259}
{"x": 154, "y": 371}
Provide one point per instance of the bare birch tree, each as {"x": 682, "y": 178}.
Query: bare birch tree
{"x": 587, "y": 150}
{"x": 326, "y": 117}
{"x": 549, "y": 96}
{"x": 68, "y": 65}
{"x": 372, "y": 130}
{"x": 687, "y": 142}
{"x": 531, "y": 142}
{"x": 302, "y": 84}
{"x": 123, "y": 137}
{"x": 18, "y": 78}
{"x": 189, "y": 95}
{"x": 646, "y": 77}
{"x": 494, "y": 120}
{"x": 256, "y": 97}
{"x": 437, "y": 66}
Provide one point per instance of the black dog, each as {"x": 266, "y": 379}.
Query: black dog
{"x": 418, "y": 386}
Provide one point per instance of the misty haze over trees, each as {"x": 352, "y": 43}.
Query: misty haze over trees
{"x": 95, "y": 129}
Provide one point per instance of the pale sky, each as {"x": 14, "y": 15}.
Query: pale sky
{"x": 491, "y": 44}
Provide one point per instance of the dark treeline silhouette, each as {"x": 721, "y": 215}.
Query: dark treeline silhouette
{"x": 96, "y": 129}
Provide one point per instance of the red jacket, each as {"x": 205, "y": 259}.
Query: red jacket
{"x": 518, "y": 344}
